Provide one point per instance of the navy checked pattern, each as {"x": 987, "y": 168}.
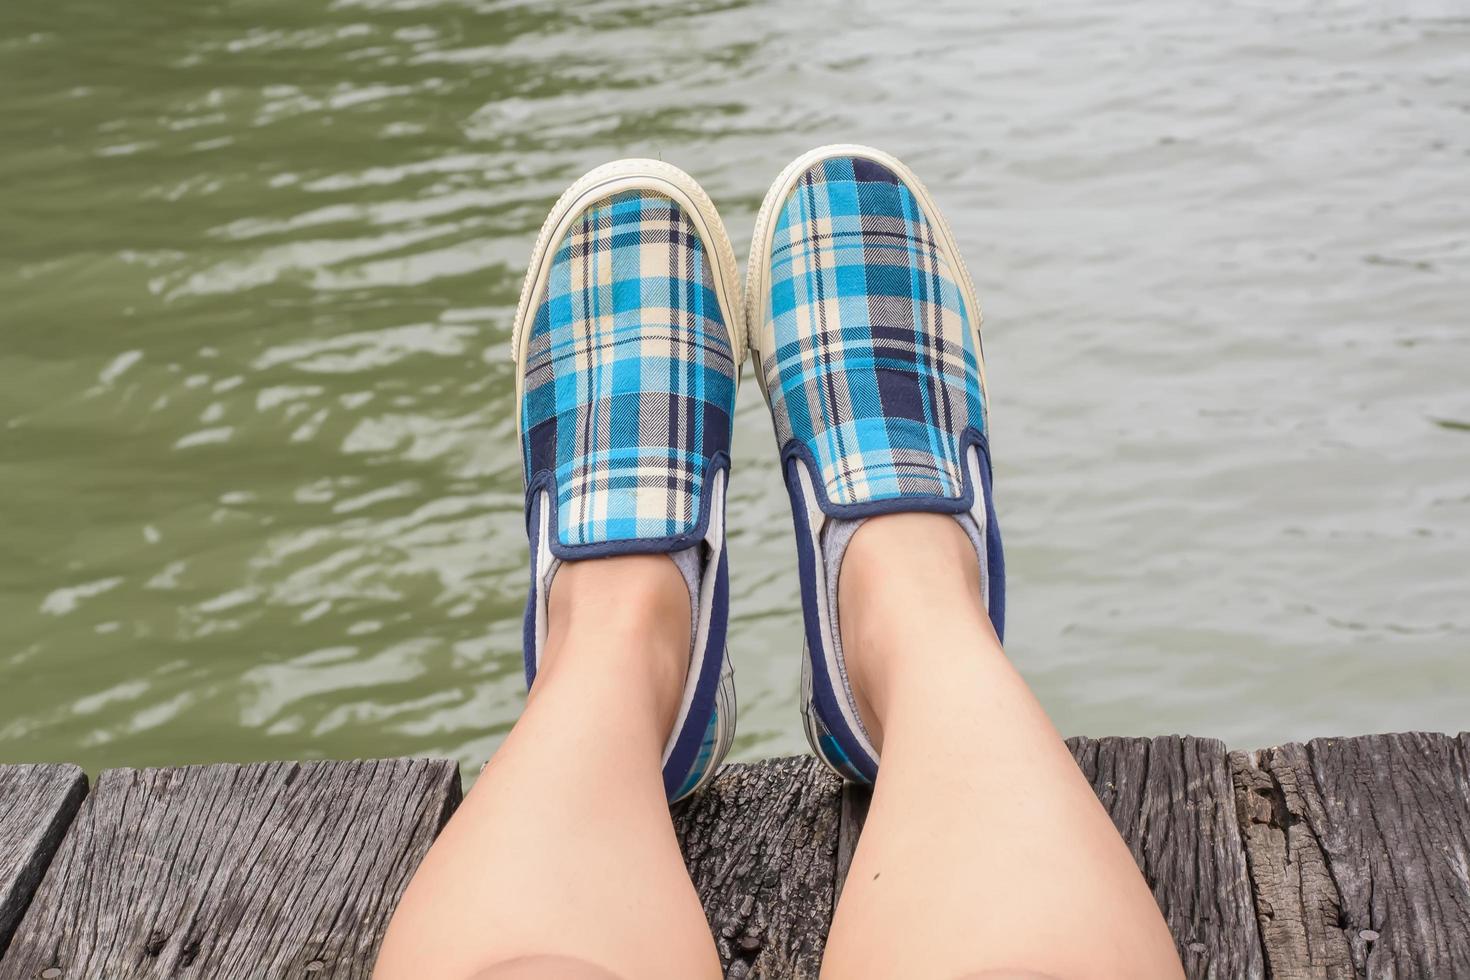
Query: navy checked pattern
{"x": 630, "y": 374}
{"x": 874, "y": 365}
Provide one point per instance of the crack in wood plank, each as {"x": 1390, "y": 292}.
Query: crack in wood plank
{"x": 761, "y": 847}
{"x": 1297, "y": 904}
{"x": 1392, "y": 813}
{"x": 37, "y": 804}
{"x": 1171, "y": 799}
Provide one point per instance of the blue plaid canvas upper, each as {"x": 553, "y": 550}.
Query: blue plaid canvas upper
{"x": 874, "y": 365}
{"x": 630, "y": 375}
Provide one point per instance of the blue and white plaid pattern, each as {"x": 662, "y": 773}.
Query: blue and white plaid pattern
{"x": 630, "y": 374}
{"x": 874, "y": 365}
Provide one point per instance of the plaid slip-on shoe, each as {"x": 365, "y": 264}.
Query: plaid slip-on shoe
{"x": 865, "y": 333}
{"x": 628, "y": 343}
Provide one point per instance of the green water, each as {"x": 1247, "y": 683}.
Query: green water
{"x": 259, "y": 490}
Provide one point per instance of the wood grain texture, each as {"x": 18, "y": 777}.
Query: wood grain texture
{"x": 1357, "y": 850}
{"x": 37, "y": 803}
{"x": 1297, "y": 904}
{"x": 261, "y": 871}
{"x": 1391, "y": 814}
{"x": 761, "y": 846}
{"x": 1172, "y": 800}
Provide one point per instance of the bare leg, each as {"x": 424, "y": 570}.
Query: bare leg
{"x": 984, "y": 849}
{"x": 562, "y": 861}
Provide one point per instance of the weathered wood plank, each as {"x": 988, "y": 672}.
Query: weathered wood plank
{"x": 1297, "y": 904}
{"x": 262, "y": 870}
{"x": 761, "y": 846}
{"x": 1391, "y": 814}
{"x": 1359, "y": 851}
{"x": 1171, "y": 798}
{"x": 37, "y": 802}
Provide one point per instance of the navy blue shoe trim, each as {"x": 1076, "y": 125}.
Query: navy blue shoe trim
{"x": 687, "y": 745}
{"x": 971, "y": 436}
{"x": 826, "y": 689}
{"x": 702, "y": 706}
{"x": 823, "y": 686}
{"x": 995, "y": 556}
{"x": 545, "y": 481}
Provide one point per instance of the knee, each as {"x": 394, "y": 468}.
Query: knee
{"x": 537, "y": 967}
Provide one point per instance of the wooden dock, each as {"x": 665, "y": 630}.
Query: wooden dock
{"x": 1340, "y": 858}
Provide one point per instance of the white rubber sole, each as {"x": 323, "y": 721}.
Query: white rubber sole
{"x": 603, "y": 182}
{"x": 758, "y": 267}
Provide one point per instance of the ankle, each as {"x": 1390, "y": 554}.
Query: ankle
{"x": 622, "y": 625}
{"x": 908, "y": 582}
